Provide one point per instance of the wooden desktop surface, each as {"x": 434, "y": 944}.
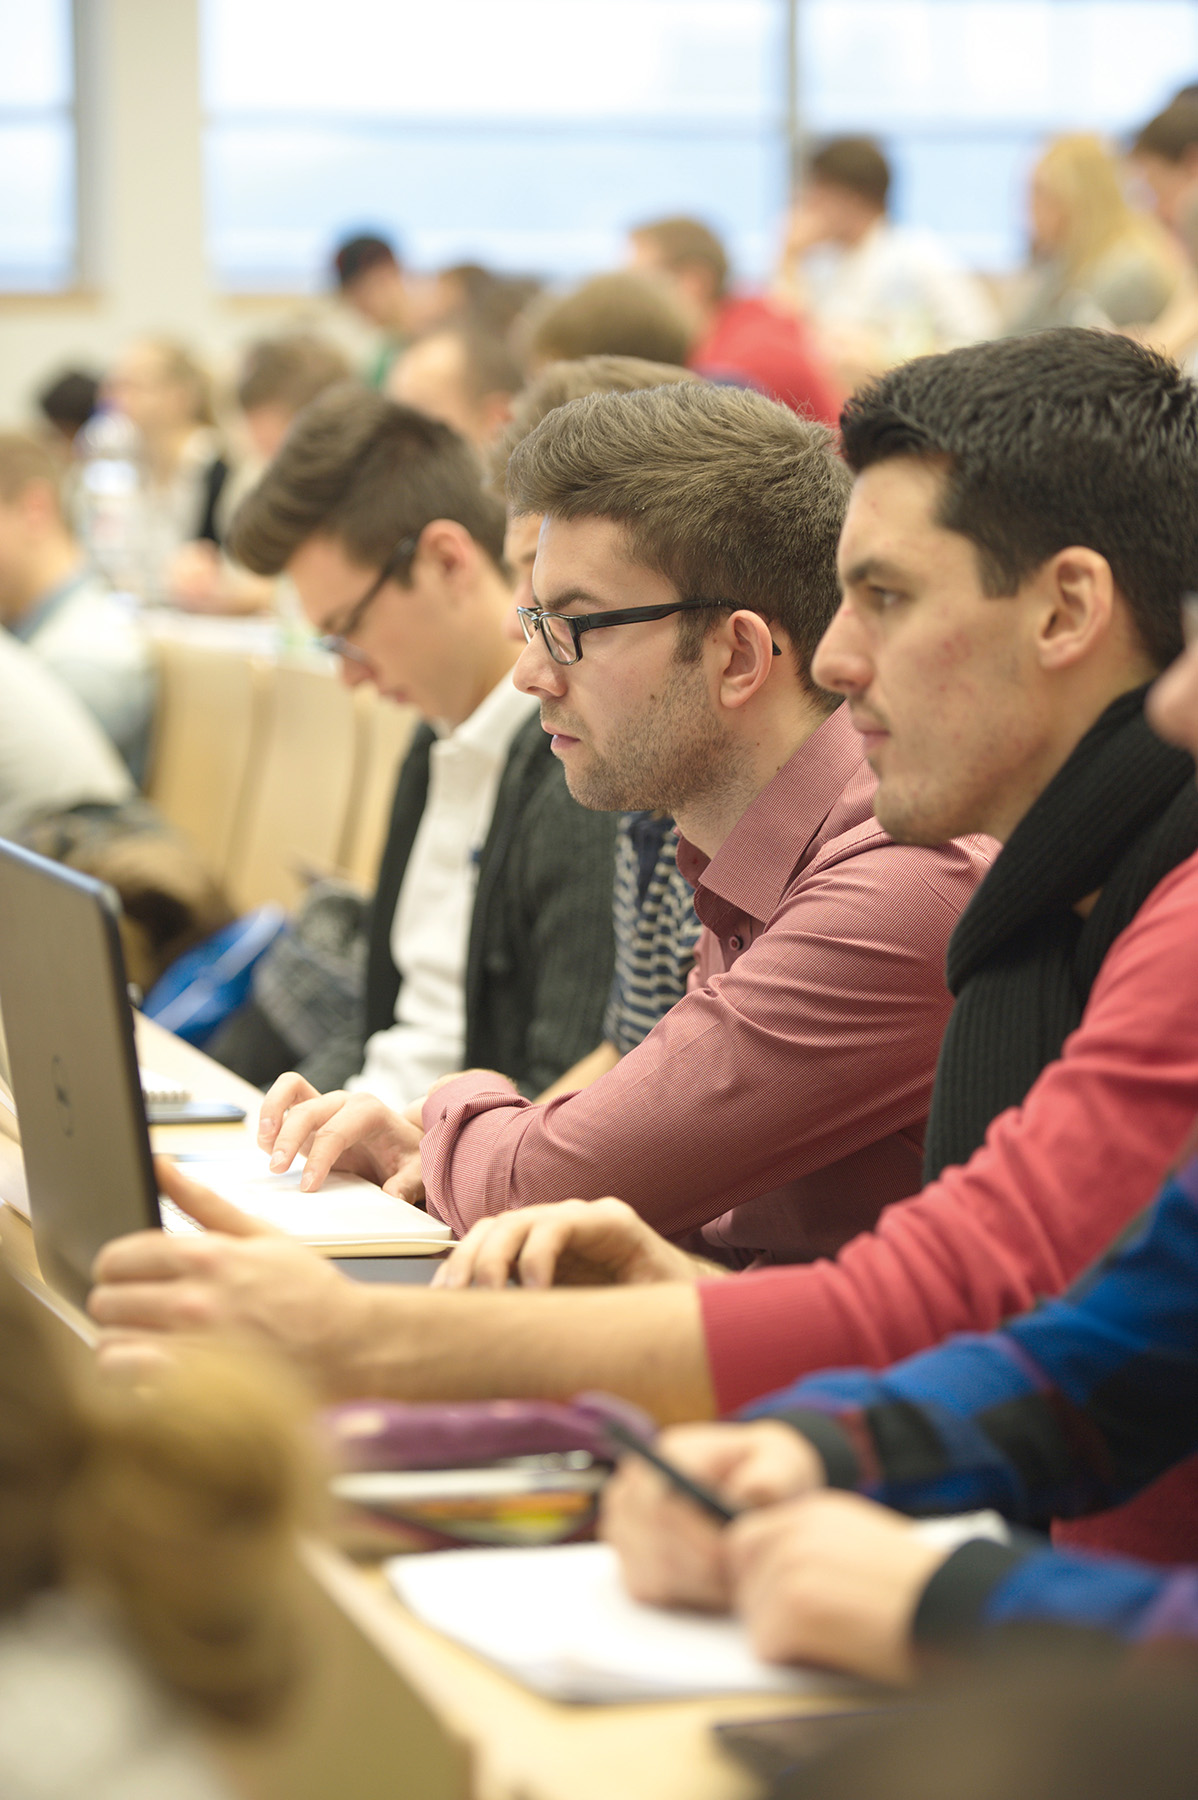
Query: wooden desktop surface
{"x": 392, "y": 1707}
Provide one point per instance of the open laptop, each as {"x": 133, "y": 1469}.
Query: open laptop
{"x": 75, "y": 1081}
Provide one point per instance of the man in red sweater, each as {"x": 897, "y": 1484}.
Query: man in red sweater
{"x": 741, "y": 337}
{"x": 1018, "y": 538}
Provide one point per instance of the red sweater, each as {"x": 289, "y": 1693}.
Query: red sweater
{"x": 757, "y": 341}
{"x": 1054, "y": 1183}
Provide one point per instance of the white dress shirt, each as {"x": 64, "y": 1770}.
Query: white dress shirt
{"x": 430, "y": 933}
{"x": 902, "y": 286}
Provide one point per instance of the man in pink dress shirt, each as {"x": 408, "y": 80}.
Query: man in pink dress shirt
{"x": 774, "y": 1111}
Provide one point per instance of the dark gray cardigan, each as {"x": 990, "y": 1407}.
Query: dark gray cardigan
{"x": 539, "y": 963}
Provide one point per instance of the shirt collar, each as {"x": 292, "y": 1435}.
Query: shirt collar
{"x": 774, "y": 837}
{"x": 47, "y": 605}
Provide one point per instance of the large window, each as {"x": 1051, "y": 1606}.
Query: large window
{"x": 522, "y": 133}
{"x": 529, "y": 133}
{"x": 963, "y": 92}
{"x": 37, "y": 146}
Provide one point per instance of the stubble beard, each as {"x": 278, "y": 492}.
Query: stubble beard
{"x": 666, "y": 761}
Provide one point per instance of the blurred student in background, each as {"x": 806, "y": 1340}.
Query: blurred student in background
{"x": 1094, "y": 260}
{"x": 165, "y": 396}
{"x": 625, "y": 313}
{"x": 53, "y": 755}
{"x": 65, "y": 612}
{"x": 1164, "y": 157}
{"x": 881, "y": 292}
{"x": 739, "y": 338}
{"x": 147, "y": 1567}
{"x": 66, "y": 402}
{"x": 462, "y": 373}
{"x": 370, "y": 279}
{"x": 277, "y": 379}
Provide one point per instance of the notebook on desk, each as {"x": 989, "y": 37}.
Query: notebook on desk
{"x": 560, "y": 1621}
{"x": 74, "y": 1077}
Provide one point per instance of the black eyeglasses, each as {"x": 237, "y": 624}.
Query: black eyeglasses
{"x": 562, "y": 632}
{"x": 337, "y": 642}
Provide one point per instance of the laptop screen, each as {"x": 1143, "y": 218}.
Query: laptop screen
{"x": 72, "y": 1065}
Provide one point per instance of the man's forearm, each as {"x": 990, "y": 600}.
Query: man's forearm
{"x": 644, "y": 1343}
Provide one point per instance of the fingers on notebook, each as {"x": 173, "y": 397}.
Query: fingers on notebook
{"x": 289, "y": 1090}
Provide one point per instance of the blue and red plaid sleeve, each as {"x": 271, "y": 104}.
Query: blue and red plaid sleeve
{"x": 1071, "y": 1409}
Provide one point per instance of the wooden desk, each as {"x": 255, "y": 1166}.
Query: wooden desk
{"x": 393, "y": 1708}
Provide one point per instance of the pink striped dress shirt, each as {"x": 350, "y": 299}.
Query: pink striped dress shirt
{"x": 781, "y": 1103}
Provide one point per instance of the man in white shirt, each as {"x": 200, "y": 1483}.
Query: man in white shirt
{"x": 491, "y": 939}
{"x": 66, "y": 614}
{"x": 881, "y": 292}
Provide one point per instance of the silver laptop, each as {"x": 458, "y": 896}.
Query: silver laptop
{"x": 81, "y": 1110}
{"x": 73, "y": 1065}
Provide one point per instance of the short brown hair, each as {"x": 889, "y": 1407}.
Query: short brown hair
{"x": 727, "y": 494}
{"x": 856, "y": 163}
{"x": 623, "y": 314}
{"x": 289, "y": 371}
{"x": 22, "y": 460}
{"x": 684, "y": 243}
{"x": 368, "y": 472}
{"x": 562, "y": 381}
{"x": 1170, "y": 134}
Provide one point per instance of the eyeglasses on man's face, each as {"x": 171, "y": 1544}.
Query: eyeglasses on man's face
{"x": 337, "y": 642}
{"x": 562, "y": 632}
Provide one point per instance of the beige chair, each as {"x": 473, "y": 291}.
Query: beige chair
{"x": 294, "y": 820}
{"x": 386, "y": 731}
{"x": 207, "y": 738}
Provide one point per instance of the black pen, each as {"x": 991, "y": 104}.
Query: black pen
{"x": 694, "y": 1491}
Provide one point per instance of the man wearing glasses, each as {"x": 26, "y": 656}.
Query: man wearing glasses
{"x": 685, "y": 574}
{"x": 491, "y": 936}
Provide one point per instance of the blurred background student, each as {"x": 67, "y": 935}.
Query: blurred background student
{"x": 1094, "y": 259}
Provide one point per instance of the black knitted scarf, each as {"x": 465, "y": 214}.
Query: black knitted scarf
{"x": 1120, "y": 813}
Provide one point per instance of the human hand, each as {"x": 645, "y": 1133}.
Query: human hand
{"x": 670, "y": 1553}
{"x": 352, "y": 1132}
{"x": 573, "y": 1243}
{"x": 832, "y": 1579}
{"x": 239, "y": 1275}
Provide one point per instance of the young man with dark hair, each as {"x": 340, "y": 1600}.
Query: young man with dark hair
{"x": 1071, "y": 1409}
{"x": 702, "y": 522}
{"x": 491, "y": 931}
{"x": 370, "y": 279}
{"x": 881, "y": 292}
{"x": 742, "y": 337}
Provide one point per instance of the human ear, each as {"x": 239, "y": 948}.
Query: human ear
{"x": 747, "y": 651}
{"x": 1077, "y": 607}
{"x": 450, "y": 551}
